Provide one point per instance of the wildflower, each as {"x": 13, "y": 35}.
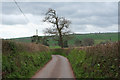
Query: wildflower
{"x": 98, "y": 64}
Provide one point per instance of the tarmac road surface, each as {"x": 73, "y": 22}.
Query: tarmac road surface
{"x": 58, "y": 67}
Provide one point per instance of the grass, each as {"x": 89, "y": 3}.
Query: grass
{"x": 22, "y": 60}
{"x": 24, "y": 65}
{"x": 100, "y": 61}
{"x": 98, "y": 37}
{"x": 98, "y": 41}
{"x": 76, "y": 58}
{"x": 23, "y": 39}
{"x": 54, "y": 47}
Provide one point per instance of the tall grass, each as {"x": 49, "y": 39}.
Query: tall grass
{"x": 21, "y": 60}
{"x": 23, "y": 65}
{"x": 101, "y": 61}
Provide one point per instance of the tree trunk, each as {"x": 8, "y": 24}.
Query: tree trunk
{"x": 60, "y": 34}
{"x": 61, "y": 40}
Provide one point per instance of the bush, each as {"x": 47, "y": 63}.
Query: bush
{"x": 24, "y": 65}
{"x": 78, "y": 43}
{"x": 22, "y": 60}
{"x": 88, "y": 42}
{"x": 10, "y": 47}
{"x": 101, "y": 61}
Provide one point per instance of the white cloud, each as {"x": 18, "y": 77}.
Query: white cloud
{"x": 62, "y": 0}
{"x": 13, "y": 19}
{"x": 91, "y": 28}
{"x": 88, "y": 28}
{"x": 13, "y": 31}
{"x": 85, "y": 17}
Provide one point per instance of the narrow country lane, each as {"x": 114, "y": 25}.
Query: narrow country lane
{"x": 58, "y": 67}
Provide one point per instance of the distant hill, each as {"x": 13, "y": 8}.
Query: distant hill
{"x": 98, "y": 37}
{"x": 22, "y": 39}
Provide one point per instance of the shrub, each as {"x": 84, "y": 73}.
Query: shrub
{"x": 22, "y": 60}
{"x": 101, "y": 61}
{"x": 88, "y": 42}
{"x": 24, "y": 65}
{"x": 9, "y": 47}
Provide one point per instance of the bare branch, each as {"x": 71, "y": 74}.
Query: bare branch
{"x": 50, "y": 31}
{"x": 60, "y": 25}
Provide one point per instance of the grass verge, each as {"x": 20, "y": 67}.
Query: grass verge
{"x": 22, "y": 60}
{"x": 24, "y": 65}
{"x": 100, "y": 61}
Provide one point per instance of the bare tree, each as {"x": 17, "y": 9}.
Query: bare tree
{"x": 60, "y": 25}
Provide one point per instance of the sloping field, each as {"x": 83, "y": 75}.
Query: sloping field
{"x": 98, "y": 37}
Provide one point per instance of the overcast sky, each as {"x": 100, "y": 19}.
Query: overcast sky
{"x": 86, "y": 17}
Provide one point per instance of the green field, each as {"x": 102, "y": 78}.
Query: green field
{"x": 98, "y": 37}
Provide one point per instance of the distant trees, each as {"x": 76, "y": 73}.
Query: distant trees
{"x": 45, "y": 41}
{"x": 65, "y": 43}
{"x": 60, "y": 25}
{"x": 78, "y": 42}
{"x": 38, "y": 39}
{"x": 35, "y": 39}
{"x": 88, "y": 41}
{"x": 84, "y": 42}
